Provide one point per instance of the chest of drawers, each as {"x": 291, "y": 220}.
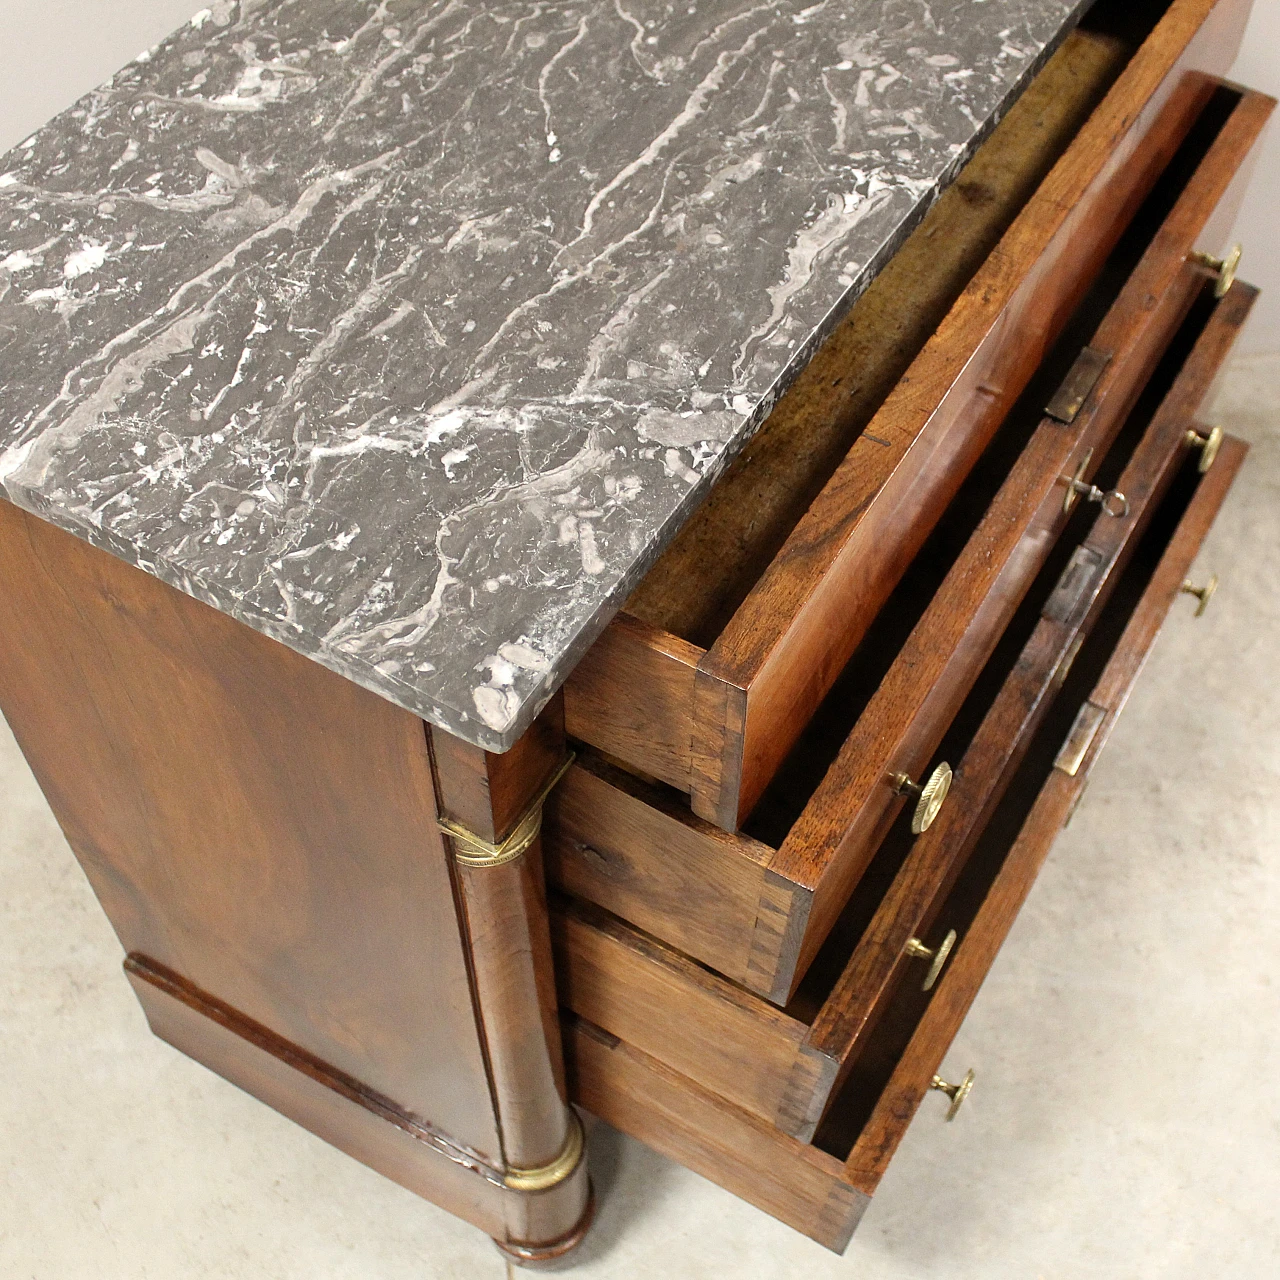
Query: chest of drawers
{"x": 735, "y": 886}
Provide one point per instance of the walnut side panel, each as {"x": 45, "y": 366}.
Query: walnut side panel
{"x": 319, "y": 1098}
{"x": 248, "y": 820}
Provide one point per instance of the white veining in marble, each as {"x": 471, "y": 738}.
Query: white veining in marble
{"x": 409, "y": 332}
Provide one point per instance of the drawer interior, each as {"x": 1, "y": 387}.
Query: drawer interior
{"x": 852, "y": 1107}
{"x": 731, "y": 640}
{"x": 633, "y": 846}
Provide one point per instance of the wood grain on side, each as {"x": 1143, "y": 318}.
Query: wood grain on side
{"x": 624, "y": 846}
{"x": 247, "y": 818}
{"x": 801, "y": 622}
{"x": 504, "y": 912}
{"x": 794, "y": 1182}
{"x": 662, "y": 1003}
{"x": 902, "y": 725}
{"x": 319, "y": 1098}
{"x": 936, "y": 858}
{"x": 631, "y": 697}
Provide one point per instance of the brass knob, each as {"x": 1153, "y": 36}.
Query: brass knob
{"x": 956, "y": 1092}
{"x": 939, "y": 956}
{"x": 929, "y": 797}
{"x": 1225, "y": 267}
{"x": 1204, "y": 594}
{"x": 1207, "y": 444}
{"x": 1114, "y": 503}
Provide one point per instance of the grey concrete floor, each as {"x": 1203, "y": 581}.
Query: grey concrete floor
{"x": 1126, "y": 1121}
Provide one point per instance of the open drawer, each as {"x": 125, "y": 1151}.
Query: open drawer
{"x": 710, "y": 675}
{"x": 662, "y": 1002}
{"x": 759, "y": 910}
{"x": 1025, "y": 769}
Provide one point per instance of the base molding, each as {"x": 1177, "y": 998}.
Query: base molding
{"x": 358, "y": 1120}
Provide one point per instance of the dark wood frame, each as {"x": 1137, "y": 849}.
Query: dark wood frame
{"x": 817, "y": 1193}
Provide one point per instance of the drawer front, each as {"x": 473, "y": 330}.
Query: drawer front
{"x": 717, "y": 722}
{"x": 758, "y": 911}
{"x": 822, "y": 1187}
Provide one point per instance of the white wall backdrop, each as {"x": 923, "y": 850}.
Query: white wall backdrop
{"x": 51, "y": 51}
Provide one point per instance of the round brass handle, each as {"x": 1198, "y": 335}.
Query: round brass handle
{"x": 956, "y": 1092}
{"x": 1225, "y": 267}
{"x": 1204, "y": 594}
{"x": 1208, "y": 445}
{"x": 929, "y": 797}
{"x": 1114, "y": 503}
{"x": 939, "y": 956}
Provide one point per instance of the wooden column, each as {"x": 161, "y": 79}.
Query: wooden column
{"x": 491, "y": 814}
{"x": 263, "y": 835}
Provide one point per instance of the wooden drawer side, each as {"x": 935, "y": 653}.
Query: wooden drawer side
{"x": 784, "y": 647}
{"x": 1055, "y": 800}
{"x": 705, "y": 1027}
{"x": 759, "y": 911}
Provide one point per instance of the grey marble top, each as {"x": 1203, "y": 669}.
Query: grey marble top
{"x": 410, "y": 332}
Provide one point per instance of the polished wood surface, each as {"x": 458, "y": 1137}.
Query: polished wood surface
{"x": 248, "y": 819}
{"x": 794, "y": 1182}
{"x": 660, "y": 1001}
{"x": 913, "y": 900}
{"x": 901, "y": 728}
{"x": 631, "y": 697}
{"x": 705, "y": 1027}
{"x": 636, "y": 851}
{"x": 504, "y": 912}
{"x": 328, "y": 1103}
{"x": 972, "y": 960}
